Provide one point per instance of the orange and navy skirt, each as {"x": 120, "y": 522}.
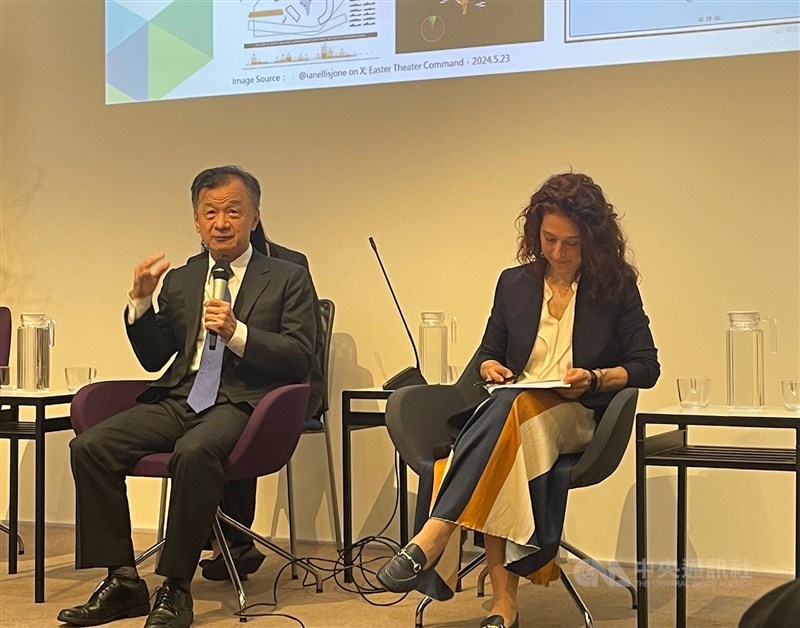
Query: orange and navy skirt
{"x": 507, "y": 475}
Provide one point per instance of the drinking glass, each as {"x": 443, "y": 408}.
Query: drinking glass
{"x": 78, "y": 376}
{"x": 5, "y": 377}
{"x": 693, "y": 392}
{"x": 791, "y": 394}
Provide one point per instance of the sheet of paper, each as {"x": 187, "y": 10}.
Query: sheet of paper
{"x": 547, "y": 383}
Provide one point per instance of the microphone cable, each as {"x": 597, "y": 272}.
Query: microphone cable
{"x": 366, "y": 584}
{"x": 335, "y": 568}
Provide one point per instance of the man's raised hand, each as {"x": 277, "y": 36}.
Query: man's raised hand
{"x": 147, "y": 274}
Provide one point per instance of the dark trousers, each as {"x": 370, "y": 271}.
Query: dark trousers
{"x": 239, "y": 502}
{"x": 102, "y": 456}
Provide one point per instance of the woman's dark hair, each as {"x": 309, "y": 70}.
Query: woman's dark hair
{"x": 603, "y": 244}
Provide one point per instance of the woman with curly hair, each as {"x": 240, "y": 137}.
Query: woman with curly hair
{"x": 571, "y": 311}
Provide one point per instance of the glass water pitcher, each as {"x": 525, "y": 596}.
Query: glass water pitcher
{"x": 35, "y": 335}
{"x": 745, "y": 358}
{"x": 434, "y": 337}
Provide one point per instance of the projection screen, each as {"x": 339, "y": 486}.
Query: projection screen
{"x": 171, "y": 49}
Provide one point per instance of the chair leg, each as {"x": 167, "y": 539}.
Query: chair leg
{"x": 482, "y": 581}
{"x": 462, "y": 573}
{"x": 157, "y": 547}
{"x": 603, "y": 570}
{"x": 228, "y": 559}
{"x": 587, "y": 616}
{"x": 20, "y": 542}
{"x": 334, "y": 500}
{"x": 162, "y": 514}
{"x": 301, "y": 562}
{"x": 290, "y": 516}
{"x": 418, "y": 618}
{"x": 160, "y": 534}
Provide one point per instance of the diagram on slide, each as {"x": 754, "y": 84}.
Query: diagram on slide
{"x": 425, "y": 25}
{"x": 298, "y": 18}
{"x": 278, "y": 30}
{"x": 608, "y": 19}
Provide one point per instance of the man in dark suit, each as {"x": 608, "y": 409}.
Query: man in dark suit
{"x": 266, "y": 333}
{"x": 239, "y": 496}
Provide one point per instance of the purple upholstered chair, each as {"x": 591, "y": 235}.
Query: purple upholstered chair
{"x": 265, "y": 446}
{"x": 7, "y": 414}
{"x": 5, "y": 335}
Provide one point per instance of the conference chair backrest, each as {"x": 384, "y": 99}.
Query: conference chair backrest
{"x": 609, "y": 443}
{"x": 326, "y": 313}
{"x": 416, "y": 416}
{"x": 266, "y": 444}
{"x": 98, "y": 401}
{"x": 271, "y": 435}
{"x": 5, "y": 335}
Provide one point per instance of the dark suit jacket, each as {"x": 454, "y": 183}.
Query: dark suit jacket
{"x": 275, "y": 301}
{"x": 605, "y": 334}
{"x": 316, "y": 400}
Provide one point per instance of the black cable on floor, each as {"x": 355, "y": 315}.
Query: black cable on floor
{"x": 361, "y": 566}
{"x": 246, "y": 614}
{"x": 335, "y": 568}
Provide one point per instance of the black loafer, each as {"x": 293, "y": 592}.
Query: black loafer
{"x": 404, "y": 570}
{"x": 247, "y": 559}
{"x": 112, "y": 599}
{"x": 172, "y": 608}
{"x": 497, "y": 621}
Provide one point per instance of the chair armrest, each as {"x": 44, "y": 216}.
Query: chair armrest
{"x": 271, "y": 434}
{"x": 416, "y": 418}
{"x": 605, "y": 451}
{"x": 98, "y": 401}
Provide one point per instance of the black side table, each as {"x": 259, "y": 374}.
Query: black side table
{"x": 672, "y": 449}
{"x": 15, "y": 430}
{"x": 356, "y": 420}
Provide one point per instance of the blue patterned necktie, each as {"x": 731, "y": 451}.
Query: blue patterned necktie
{"x": 204, "y": 390}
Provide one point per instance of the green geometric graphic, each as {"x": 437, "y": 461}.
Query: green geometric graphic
{"x": 147, "y": 55}
{"x": 114, "y": 95}
{"x": 195, "y": 27}
{"x": 172, "y": 61}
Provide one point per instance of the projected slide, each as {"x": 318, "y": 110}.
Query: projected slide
{"x": 448, "y": 24}
{"x": 171, "y": 49}
{"x": 614, "y": 18}
{"x": 297, "y": 20}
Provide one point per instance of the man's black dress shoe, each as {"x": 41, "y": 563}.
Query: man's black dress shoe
{"x": 172, "y": 608}
{"x": 246, "y": 558}
{"x": 497, "y": 621}
{"x": 405, "y": 569}
{"x": 112, "y": 599}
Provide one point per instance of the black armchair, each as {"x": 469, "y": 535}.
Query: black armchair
{"x": 416, "y": 418}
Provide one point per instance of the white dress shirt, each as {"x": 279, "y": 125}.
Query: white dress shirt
{"x": 137, "y": 307}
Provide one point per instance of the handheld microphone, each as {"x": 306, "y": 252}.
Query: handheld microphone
{"x": 413, "y": 374}
{"x": 220, "y": 275}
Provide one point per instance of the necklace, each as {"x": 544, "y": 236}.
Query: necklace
{"x": 559, "y": 288}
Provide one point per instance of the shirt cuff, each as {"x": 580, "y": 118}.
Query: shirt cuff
{"x": 239, "y": 339}
{"x": 137, "y": 307}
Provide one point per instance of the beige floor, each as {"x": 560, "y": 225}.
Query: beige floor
{"x": 714, "y": 599}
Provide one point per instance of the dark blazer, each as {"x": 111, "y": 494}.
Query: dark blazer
{"x": 275, "y": 301}
{"x": 605, "y": 334}
{"x": 316, "y": 400}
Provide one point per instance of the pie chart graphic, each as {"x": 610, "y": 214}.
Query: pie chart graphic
{"x": 432, "y": 28}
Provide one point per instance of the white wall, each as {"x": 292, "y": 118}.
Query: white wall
{"x": 702, "y": 158}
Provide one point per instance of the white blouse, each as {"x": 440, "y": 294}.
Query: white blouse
{"x": 551, "y": 356}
